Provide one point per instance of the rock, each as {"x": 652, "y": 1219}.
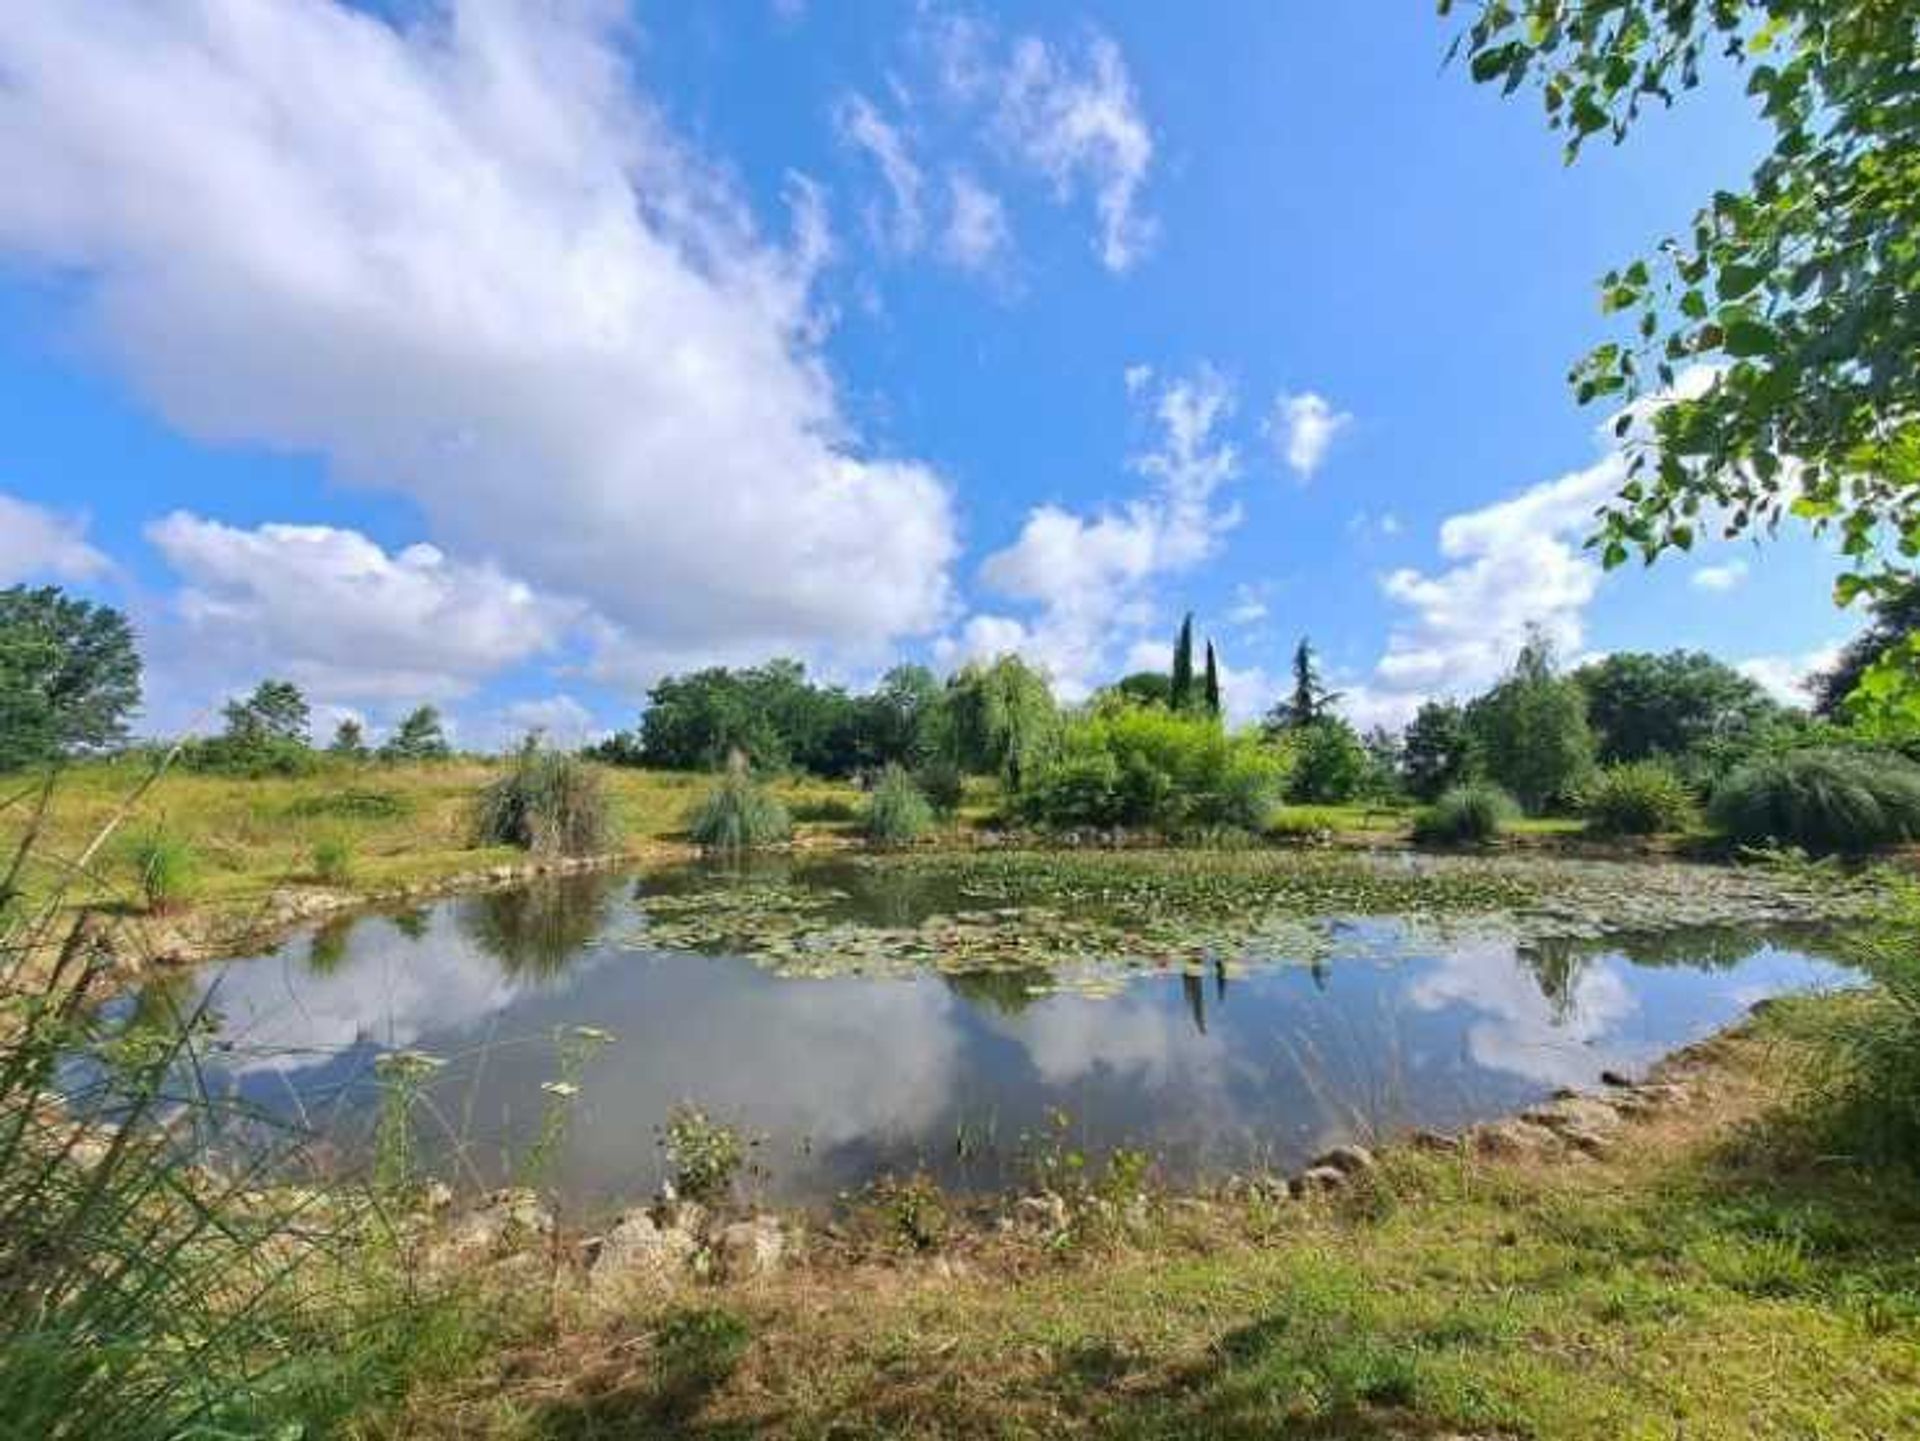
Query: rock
{"x": 1348, "y": 1160}
{"x": 1437, "y": 1142}
{"x": 1045, "y": 1210}
{"x": 752, "y": 1248}
{"x": 1514, "y": 1140}
{"x": 508, "y": 1221}
{"x": 1319, "y": 1181}
{"x": 639, "y": 1255}
{"x": 1616, "y": 1079}
{"x": 1581, "y": 1113}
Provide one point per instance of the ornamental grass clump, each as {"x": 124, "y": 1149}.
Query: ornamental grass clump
{"x": 1471, "y": 814}
{"x": 739, "y": 813}
{"x": 169, "y": 872}
{"x": 547, "y": 803}
{"x": 897, "y": 813}
{"x": 1821, "y": 800}
{"x": 1638, "y": 798}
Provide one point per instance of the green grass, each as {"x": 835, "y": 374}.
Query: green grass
{"x": 1718, "y": 1278}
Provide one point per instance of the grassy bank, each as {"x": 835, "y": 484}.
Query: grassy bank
{"x": 1717, "y": 1273}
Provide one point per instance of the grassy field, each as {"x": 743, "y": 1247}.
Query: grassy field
{"x": 1716, "y": 1276}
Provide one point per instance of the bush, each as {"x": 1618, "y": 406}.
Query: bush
{"x": 739, "y": 814}
{"x": 1468, "y": 814}
{"x": 1821, "y": 800}
{"x": 1638, "y": 798}
{"x": 168, "y": 870}
{"x": 353, "y": 805}
{"x": 704, "y": 1156}
{"x": 1329, "y": 763}
{"x": 1871, "y": 1076}
{"x": 1140, "y": 766}
{"x": 944, "y": 785}
{"x": 897, "y": 814}
{"x": 548, "y": 803}
{"x": 332, "y": 861}
{"x": 252, "y": 756}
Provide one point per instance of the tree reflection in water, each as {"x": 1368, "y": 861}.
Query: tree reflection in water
{"x": 534, "y": 931}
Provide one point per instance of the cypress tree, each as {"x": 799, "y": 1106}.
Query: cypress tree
{"x": 1212, "y": 691}
{"x": 1181, "y": 691}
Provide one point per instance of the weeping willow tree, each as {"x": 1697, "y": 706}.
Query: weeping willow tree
{"x": 1002, "y": 719}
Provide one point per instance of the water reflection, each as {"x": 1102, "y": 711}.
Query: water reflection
{"x": 851, "y": 1075}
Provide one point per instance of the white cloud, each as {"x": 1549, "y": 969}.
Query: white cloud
{"x": 1090, "y": 577}
{"x": 345, "y": 619}
{"x": 1303, "y": 428}
{"x": 1249, "y": 606}
{"x": 1720, "y": 578}
{"x": 1135, "y": 378}
{"x": 902, "y": 225}
{"x": 977, "y": 233}
{"x": 36, "y": 542}
{"x": 464, "y": 260}
{"x": 560, "y": 719}
{"x": 1784, "y": 677}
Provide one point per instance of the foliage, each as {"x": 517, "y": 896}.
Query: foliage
{"x": 1870, "y": 1079}
{"x": 1474, "y": 813}
{"x": 1310, "y": 700}
{"x": 1329, "y": 762}
{"x": 1895, "y": 620}
{"x": 1142, "y": 687}
{"x": 333, "y": 860}
{"x": 897, "y": 813}
{"x": 1642, "y": 705}
{"x": 548, "y": 803}
{"x": 1529, "y": 733}
{"x": 1638, "y": 798}
{"x": 1385, "y": 756}
{"x": 168, "y": 869}
{"x": 1210, "y": 686}
{"x": 1180, "y": 685}
{"x": 418, "y": 737}
{"x": 349, "y": 740}
{"x": 1434, "y": 752}
{"x": 1799, "y": 291}
{"x": 739, "y": 813}
{"x": 943, "y": 784}
{"x": 69, "y": 676}
{"x": 899, "y": 722}
{"x": 276, "y": 712}
{"x": 704, "y": 1155}
{"x": 1823, "y": 799}
{"x": 1144, "y": 766}
{"x": 770, "y": 713}
{"x": 1003, "y": 719}
{"x": 358, "y": 805}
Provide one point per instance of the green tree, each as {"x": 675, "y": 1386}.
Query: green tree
{"x": 1310, "y": 701}
{"x": 771, "y": 713}
{"x": 275, "y": 714}
{"x": 1434, "y": 752}
{"x": 1895, "y": 619}
{"x": 69, "y": 676}
{"x": 349, "y": 740}
{"x": 1329, "y": 762}
{"x": 898, "y": 722}
{"x": 1210, "y": 696}
{"x": 1004, "y": 720}
{"x": 1180, "y": 689}
{"x": 419, "y": 737}
{"x": 1145, "y": 687}
{"x": 1530, "y": 734}
{"x": 1799, "y": 294}
{"x": 1642, "y": 705}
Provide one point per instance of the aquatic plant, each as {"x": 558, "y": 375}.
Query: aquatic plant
{"x": 1638, "y": 798}
{"x": 1470, "y": 814}
{"x": 739, "y": 813}
{"x": 547, "y": 803}
{"x": 1821, "y": 800}
{"x": 897, "y": 814}
{"x": 169, "y": 871}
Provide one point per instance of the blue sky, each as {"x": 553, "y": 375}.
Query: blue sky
{"x": 506, "y": 356}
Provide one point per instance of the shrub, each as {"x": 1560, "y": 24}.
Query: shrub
{"x": 1638, "y": 798}
{"x": 704, "y": 1156}
{"x": 548, "y": 803}
{"x": 168, "y": 870}
{"x": 944, "y": 785}
{"x": 739, "y": 814}
{"x": 1821, "y": 800}
{"x": 252, "y": 756}
{"x": 1142, "y": 766}
{"x": 1871, "y": 1076}
{"x": 1329, "y": 763}
{"x": 332, "y": 860}
{"x": 1468, "y": 814}
{"x": 897, "y": 814}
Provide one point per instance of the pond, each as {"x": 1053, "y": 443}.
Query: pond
{"x": 858, "y": 1018}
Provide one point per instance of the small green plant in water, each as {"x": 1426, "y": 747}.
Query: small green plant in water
{"x": 169, "y": 872}
{"x": 704, "y": 1156}
{"x": 1471, "y": 814}
{"x": 547, "y": 803}
{"x": 897, "y": 813}
{"x": 739, "y": 813}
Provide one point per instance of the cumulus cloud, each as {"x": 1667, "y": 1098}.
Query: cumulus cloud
{"x": 560, "y": 719}
{"x": 1090, "y": 577}
{"x": 464, "y": 260}
{"x": 346, "y": 619}
{"x": 1785, "y": 677}
{"x": 36, "y": 542}
{"x": 1719, "y": 578}
{"x": 1303, "y": 428}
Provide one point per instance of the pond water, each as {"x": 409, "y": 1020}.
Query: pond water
{"x": 1206, "y": 1063}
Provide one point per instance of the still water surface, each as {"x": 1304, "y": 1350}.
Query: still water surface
{"x": 1208, "y": 1070}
